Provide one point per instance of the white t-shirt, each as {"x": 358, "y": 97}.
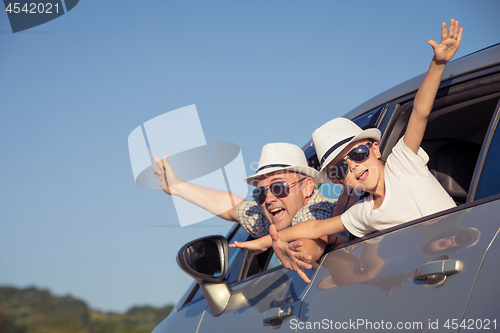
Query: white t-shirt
{"x": 411, "y": 192}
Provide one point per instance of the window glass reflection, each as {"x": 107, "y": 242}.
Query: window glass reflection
{"x": 489, "y": 183}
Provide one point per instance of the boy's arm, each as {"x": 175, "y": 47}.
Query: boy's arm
{"x": 424, "y": 100}
{"x": 306, "y": 250}
{"x": 223, "y": 204}
{"x": 313, "y": 229}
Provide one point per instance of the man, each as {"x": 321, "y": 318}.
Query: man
{"x": 285, "y": 195}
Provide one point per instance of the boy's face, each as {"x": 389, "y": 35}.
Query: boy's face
{"x": 361, "y": 176}
{"x": 281, "y": 211}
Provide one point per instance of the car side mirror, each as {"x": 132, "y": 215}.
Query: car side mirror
{"x": 206, "y": 259}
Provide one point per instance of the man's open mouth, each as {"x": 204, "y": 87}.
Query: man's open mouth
{"x": 276, "y": 212}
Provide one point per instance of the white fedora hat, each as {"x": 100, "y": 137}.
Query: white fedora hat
{"x": 280, "y": 157}
{"x": 331, "y": 138}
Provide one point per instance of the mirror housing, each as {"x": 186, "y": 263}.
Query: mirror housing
{"x": 206, "y": 260}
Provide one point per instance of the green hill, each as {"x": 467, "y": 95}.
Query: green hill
{"x": 34, "y": 310}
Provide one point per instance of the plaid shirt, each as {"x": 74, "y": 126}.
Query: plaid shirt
{"x": 254, "y": 221}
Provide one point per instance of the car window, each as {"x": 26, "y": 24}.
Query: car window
{"x": 274, "y": 262}
{"x": 385, "y": 118}
{"x": 369, "y": 118}
{"x": 455, "y": 132}
{"x": 331, "y": 190}
{"x": 240, "y": 236}
{"x": 489, "y": 183}
{"x": 453, "y": 140}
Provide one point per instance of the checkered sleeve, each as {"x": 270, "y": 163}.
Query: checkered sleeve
{"x": 318, "y": 208}
{"x": 252, "y": 219}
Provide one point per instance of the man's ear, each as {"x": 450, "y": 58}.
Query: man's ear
{"x": 376, "y": 150}
{"x": 308, "y": 187}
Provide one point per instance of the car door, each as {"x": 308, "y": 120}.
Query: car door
{"x": 375, "y": 280}
{"x": 482, "y": 308}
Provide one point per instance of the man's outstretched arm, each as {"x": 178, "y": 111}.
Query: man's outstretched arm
{"x": 223, "y": 204}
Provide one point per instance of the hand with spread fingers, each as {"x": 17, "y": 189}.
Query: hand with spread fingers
{"x": 214, "y": 201}
{"x": 165, "y": 174}
{"x": 289, "y": 254}
{"x": 450, "y": 41}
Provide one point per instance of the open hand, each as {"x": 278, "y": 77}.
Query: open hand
{"x": 165, "y": 174}
{"x": 450, "y": 41}
{"x": 290, "y": 256}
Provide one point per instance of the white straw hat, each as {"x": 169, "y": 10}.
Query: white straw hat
{"x": 331, "y": 138}
{"x": 281, "y": 156}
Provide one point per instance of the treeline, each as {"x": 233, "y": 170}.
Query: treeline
{"x": 34, "y": 310}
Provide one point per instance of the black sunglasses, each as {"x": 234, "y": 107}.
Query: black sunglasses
{"x": 358, "y": 154}
{"x": 279, "y": 190}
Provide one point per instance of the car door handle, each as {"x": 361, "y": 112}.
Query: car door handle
{"x": 440, "y": 268}
{"x": 278, "y": 314}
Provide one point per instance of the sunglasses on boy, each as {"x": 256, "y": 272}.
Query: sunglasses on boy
{"x": 358, "y": 154}
{"x": 279, "y": 189}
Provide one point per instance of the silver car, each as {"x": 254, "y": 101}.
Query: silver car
{"x": 437, "y": 273}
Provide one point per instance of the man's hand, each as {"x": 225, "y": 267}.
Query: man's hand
{"x": 450, "y": 41}
{"x": 290, "y": 256}
{"x": 165, "y": 175}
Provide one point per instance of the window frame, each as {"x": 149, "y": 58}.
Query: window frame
{"x": 490, "y": 134}
{"x": 465, "y": 90}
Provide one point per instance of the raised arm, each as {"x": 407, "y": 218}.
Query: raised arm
{"x": 223, "y": 204}
{"x": 424, "y": 100}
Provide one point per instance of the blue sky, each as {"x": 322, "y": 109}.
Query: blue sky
{"x": 72, "y": 90}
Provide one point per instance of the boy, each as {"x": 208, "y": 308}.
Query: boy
{"x": 401, "y": 190}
